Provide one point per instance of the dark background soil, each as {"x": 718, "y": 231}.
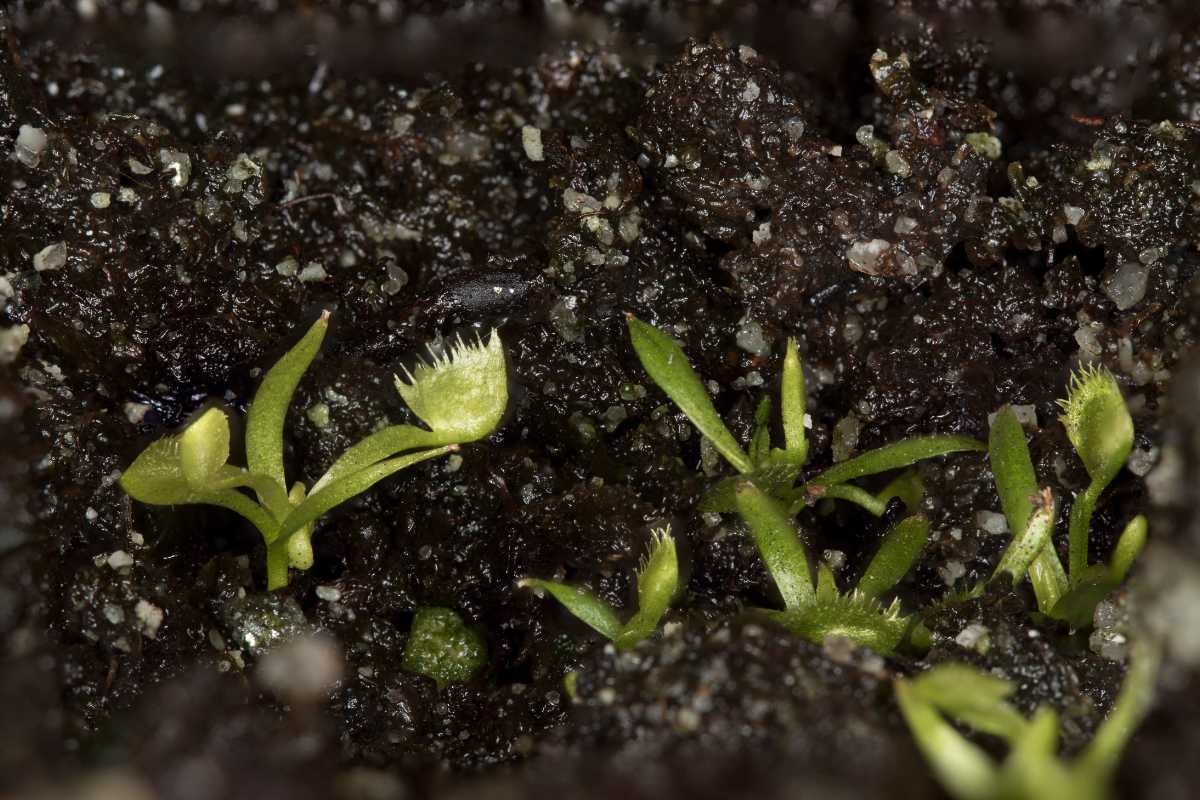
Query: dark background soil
{"x": 731, "y": 178}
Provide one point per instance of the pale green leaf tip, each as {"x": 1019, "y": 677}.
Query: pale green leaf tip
{"x": 1097, "y": 421}
{"x": 204, "y": 448}
{"x": 460, "y": 396}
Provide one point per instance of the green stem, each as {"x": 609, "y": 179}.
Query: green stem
{"x": 853, "y": 494}
{"x": 277, "y": 564}
{"x": 1081, "y": 521}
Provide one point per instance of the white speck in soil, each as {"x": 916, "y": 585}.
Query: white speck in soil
{"x": 30, "y": 143}
{"x": 1126, "y": 286}
{"x": 531, "y": 140}
{"x": 50, "y": 257}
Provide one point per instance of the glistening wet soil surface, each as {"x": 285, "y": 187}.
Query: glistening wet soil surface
{"x": 943, "y": 231}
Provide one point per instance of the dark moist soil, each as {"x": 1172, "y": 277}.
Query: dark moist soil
{"x": 730, "y": 190}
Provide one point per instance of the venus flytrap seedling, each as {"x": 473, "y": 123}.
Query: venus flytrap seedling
{"x": 1032, "y": 770}
{"x": 815, "y": 612}
{"x": 765, "y": 495}
{"x": 657, "y": 583}
{"x": 461, "y": 397}
{"x": 1101, "y": 430}
{"x": 775, "y": 470}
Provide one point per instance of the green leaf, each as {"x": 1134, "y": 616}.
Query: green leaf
{"x": 966, "y": 771}
{"x": 1078, "y": 604}
{"x": 341, "y": 490}
{"x": 268, "y": 410}
{"x": 1098, "y": 423}
{"x": 792, "y": 402}
{"x": 1101, "y": 430}
{"x": 1012, "y": 467}
{"x": 847, "y": 492}
{"x": 461, "y": 396}
{"x": 666, "y": 364}
{"x": 1128, "y": 548}
{"x": 760, "y": 441}
{"x": 204, "y": 449}
{"x": 899, "y": 551}
{"x": 973, "y": 697}
{"x": 894, "y": 456}
{"x": 827, "y": 590}
{"x": 1031, "y": 539}
{"x": 382, "y": 444}
{"x": 442, "y": 647}
{"x": 156, "y": 476}
{"x": 854, "y": 616}
{"x": 779, "y": 545}
{"x": 657, "y": 582}
{"x": 1048, "y": 578}
{"x": 586, "y": 606}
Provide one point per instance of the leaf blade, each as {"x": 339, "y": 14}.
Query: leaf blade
{"x": 582, "y": 604}
{"x": 779, "y": 545}
{"x": 268, "y": 410}
{"x": 894, "y": 456}
{"x": 667, "y": 365}
{"x": 900, "y": 549}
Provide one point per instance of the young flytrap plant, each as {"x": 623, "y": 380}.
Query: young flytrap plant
{"x": 766, "y": 497}
{"x": 657, "y": 583}
{"x": 1101, "y": 431}
{"x": 975, "y": 699}
{"x": 461, "y": 397}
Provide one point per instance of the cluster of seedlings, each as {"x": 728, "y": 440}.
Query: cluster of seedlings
{"x": 462, "y": 397}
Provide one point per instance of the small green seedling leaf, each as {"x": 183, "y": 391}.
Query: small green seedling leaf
{"x": 584, "y": 605}
{"x": 1031, "y": 540}
{"x": 1032, "y": 769}
{"x": 792, "y": 403}
{"x": 341, "y": 490}
{"x": 973, "y": 697}
{"x": 442, "y": 647}
{"x": 268, "y": 409}
{"x": 827, "y": 590}
{"x": 894, "y": 456}
{"x": 779, "y": 545}
{"x": 657, "y": 583}
{"x": 204, "y": 449}
{"x": 842, "y": 491}
{"x": 1016, "y": 483}
{"x": 156, "y": 476}
{"x": 899, "y": 551}
{"x": 853, "y": 616}
{"x": 461, "y": 396}
{"x": 1012, "y": 467}
{"x": 1078, "y": 604}
{"x": 382, "y": 444}
{"x": 1101, "y": 430}
{"x": 1128, "y": 548}
{"x": 760, "y": 441}
{"x": 961, "y": 766}
{"x": 666, "y": 364}
{"x": 1098, "y": 423}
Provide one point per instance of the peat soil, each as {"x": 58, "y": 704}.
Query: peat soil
{"x": 951, "y": 209}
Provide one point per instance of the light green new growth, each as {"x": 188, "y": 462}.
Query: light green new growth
{"x": 441, "y": 646}
{"x": 1032, "y": 770}
{"x": 664, "y": 360}
{"x": 765, "y": 495}
{"x": 657, "y": 584}
{"x": 1101, "y": 430}
{"x": 461, "y": 397}
{"x": 816, "y": 612}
